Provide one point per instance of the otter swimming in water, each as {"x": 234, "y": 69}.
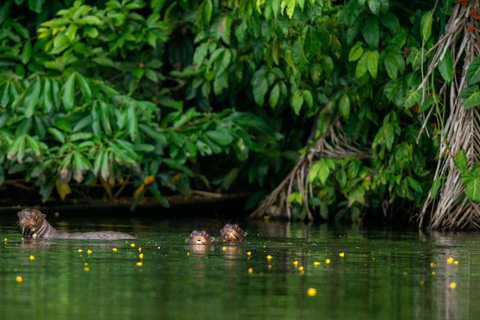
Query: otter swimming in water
{"x": 199, "y": 237}
{"x": 231, "y": 232}
{"x": 34, "y": 225}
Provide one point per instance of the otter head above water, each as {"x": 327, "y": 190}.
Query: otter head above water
{"x": 199, "y": 237}
{"x": 31, "y": 220}
{"x": 231, "y": 232}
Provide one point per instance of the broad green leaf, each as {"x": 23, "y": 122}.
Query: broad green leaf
{"x": 471, "y": 96}
{"x": 413, "y": 97}
{"x": 356, "y": 52}
{"x": 308, "y": 97}
{"x": 26, "y": 52}
{"x": 63, "y": 124}
{"x": 222, "y": 137}
{"x": 132, "y": 122}
{"x": 372, "y": 63}
{"x": 31, "y": 99}
{"x": 36, "y": 5}
{"x": 446, "y": 68}
{"x": 207, "y": 12}
{"x": 471, "y": 180}
{"x": 57, "y": 135}
{"x": 361, "y": 66}
{"x": 260, "y": 88}
{"x": 344, "y": 106}
{"x": 390, "y": 66}
{"x": 426, "y": 25}
{"x": 297, "y": 101}
{"x": 84, "y": 86}
{"x": 374, "y": 5}
{"x": 473, "y": 71}
{"x": 390, "y": 21}
{"x": 371, "y": 31}
{"x": 461, "y": 161}
{"x": 274, "y": 95}
{"x": 68, "y": 97}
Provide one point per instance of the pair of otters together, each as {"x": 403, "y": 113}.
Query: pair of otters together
{"x": 34, "y": 225}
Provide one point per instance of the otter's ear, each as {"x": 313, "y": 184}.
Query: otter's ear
{"x": 19, "y": 214}
{"x": 245, "y": 233}
{"x": 213, "y": 239}
{"x": 186, "y": 240}
{"x": 44, "y": 215}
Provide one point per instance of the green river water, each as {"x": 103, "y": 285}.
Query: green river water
{"x": 382, "y": 275}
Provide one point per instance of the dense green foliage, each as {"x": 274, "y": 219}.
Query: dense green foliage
{"x": 223, "y": 91}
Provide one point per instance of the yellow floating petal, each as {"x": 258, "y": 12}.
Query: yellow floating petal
{"x": 453, "y": 285}
{"x": 19, "y": 279}
{"x": 32, "y": 258}
{"x": 311, "y": 292}
{"x": 341, "y": 254}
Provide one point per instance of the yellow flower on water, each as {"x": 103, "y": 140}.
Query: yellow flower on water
{"x": 19, "y": 279}
{"x": 431, "y": 264}
{"x": 316, "y": 263}
{"x": 450, "y": 260}
{"x": 422, "y": 283}
{"x": 433, "y": 273}
{"x": 224, "y": 248}
{"x": 269, "y": 266}
{"x": 114, "y": 249}
{"x": 85, "y": 264}
{"x": 302, "y": 273}
{"x": 295, "y": 263}
{"x": 132, "y": 245}
{"x": 300, "y": 268}
{"x": 341, "y": 254}
{"x": 139, "y": 249}
{"x": 453, "y": 285}
{"x": 86, "y": 269}
{"x": 80, "y": 250}
{"x": 89, "y": 251}
{"x": 188, "y": 253}
{"x": 249, "y": 253}
{"x": 312, "y": 292}
{"x": 139, "y": 264}
{"x": 327, "y": 261}
{"x": 158, "y": 248}
{"x": 5, "y": 239}
{"x": 269, "y": 257}
{"x": 456, "y": 262}
{"x": 250, "y": 270}
{"x": 32, "y": 258}
{"x": 140, "y": 255}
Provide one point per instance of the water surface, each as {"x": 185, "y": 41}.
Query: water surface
{"x": 382, "y": 275}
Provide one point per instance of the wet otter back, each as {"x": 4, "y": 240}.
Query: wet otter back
{"x": 99, "y": 235}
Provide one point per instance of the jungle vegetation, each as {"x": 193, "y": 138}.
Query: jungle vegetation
{"x": 330, "y": 110}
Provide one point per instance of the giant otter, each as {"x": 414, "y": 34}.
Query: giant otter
{"x": 34, "y": 225}
{"x": 231, "y": 232}
{"x": 199, "y": 237}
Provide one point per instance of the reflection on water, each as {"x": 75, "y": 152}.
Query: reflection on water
{"x": 383, "y": 275}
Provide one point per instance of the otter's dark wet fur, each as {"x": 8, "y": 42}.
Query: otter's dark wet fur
{"x": 199, "y": 237}
{"x": 232, "y": 232}
{"x": 34, "y": 225}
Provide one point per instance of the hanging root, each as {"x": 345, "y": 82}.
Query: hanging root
{"x": 331, "y": 144}
{"x": 462, "y": 128}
